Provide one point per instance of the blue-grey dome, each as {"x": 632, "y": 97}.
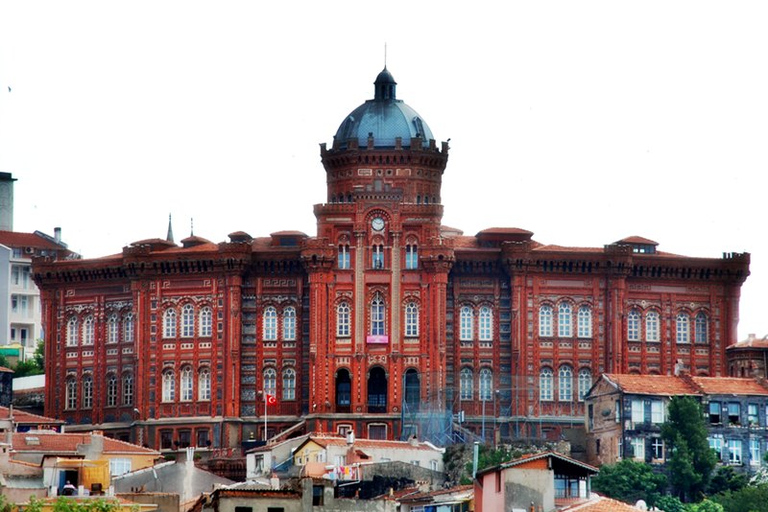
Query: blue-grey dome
{"x": 384, "y": 118}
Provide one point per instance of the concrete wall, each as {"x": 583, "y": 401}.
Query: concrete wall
{"x": 165, "y": 502}
{"x": 525, "y": 486}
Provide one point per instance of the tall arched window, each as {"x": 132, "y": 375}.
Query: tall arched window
{"x": 411, "y": 256}
{"x": 486, "y": 384}
{"x": 585, "y": 322}
{"x": 545, "y": 321}
{"x": 344, "y": 260}
{"x": 72, "y": 332}
{"x": 342, "y": 320}
{"x": 128, "y": 389}
{"x": 128, "y": 328}
{"x": 187, "y": 384}
{"x": 204, "y": 384}
{"x": 701, "y": 328}
{"x": 585, "y": 382}
{"x": 289, "y": 384}
{"x": 652, "y": 328}
{"x": 270, "y": 323}
{"x": 683, "y": 327}
{"x": 565, "y": 384}
{"x": 377, "y": 256}
{"x": 71, "y": 394}
{"x": 270, "y": 381}
{"x": 411, "y": 320}
{"x": 169, "y": 323}
{"x": 564, "y": 320}
{"x": 377, "y": 316}
{"x": 169, "y": 386}
{"x": 187, "y": 321}
{"x": 289, "y": 323}
{"x": 633, "y": 325}
{"x": 206, "y": 322}
{"x": 113, "y": 328}
{"x": 87, "y": 392}
{"x": 465, "y": 381}
{"x": 485, "y": 324}
{"x": 88, "y": 330}
{"x": 465, "y": 323}
{"x": 111, "y": 390}
{"x": 545, "y": 384}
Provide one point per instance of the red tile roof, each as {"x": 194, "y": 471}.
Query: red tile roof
{"x": 751, "y": 342}
{"x": 364, "y": 444}
{"x": 730, "y": 386}
{"x": 637, "y": 240}
{"x": 14, "y": 239}
{"x": 24, "y": 418}
{"x": 652, "y": 384}
{"x": 601, "y": 504}
{"x": 54, "y": 443}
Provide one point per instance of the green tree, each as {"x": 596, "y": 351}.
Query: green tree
{"x": 692, "y": 460}
{"x": 704, "y": 506}
{"x": 726, "y": 479}
{"x": 749, "y": 499}
{"x": 39, "y": 356}
{"x": 669, "y": 503}
{"x": 629, "y": 481}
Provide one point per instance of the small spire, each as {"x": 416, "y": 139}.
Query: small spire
{"x": 169, "y": 236}
{"x": 191, "y": 226}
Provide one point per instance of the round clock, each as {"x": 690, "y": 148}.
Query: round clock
{"x": 377, "y": 223}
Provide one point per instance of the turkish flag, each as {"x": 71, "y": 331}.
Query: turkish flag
{"x": 271, "y": 399}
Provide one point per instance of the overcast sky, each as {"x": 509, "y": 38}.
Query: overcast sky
{"x": 584, "y": 122}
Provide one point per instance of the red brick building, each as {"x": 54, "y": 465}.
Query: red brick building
{"x": 386, "y": 322}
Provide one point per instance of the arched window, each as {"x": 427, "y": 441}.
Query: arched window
{"x": 701, "y": 328}
{"x": 585, "y": 382}
{"x": 187, "y": 321}
{"x": 411, "y": 256}
{"x": 289, "y": 323}
{"x": 377, "y": 316}
{"x": 128, "y": 389}
{"x": 486, "y": 384}
{"x": 72, "y": 332}
{"x": 564, "y": 320}
{"x": 204, "y": 384}
{"x": 71, "y": 394}
{"x": 344, "y": 260}
{"x": 465, "y": 323}
{"x": 411, "y": 320}
{"x": 465, "y": 381}
{"x": 545, "y": 321}
{"x": 113, "y": 329}
{"x": 377, "y": 256}
{"x": 187, "y": 385}
{"x": 289, "y": 384}
{"x": 652, "y": 326}
{"x": 342, "y": 320}
{"x": 87, "y": 392}
{"x": 111, "y": 390}
{"x": 585, "y": 322}
{"x": 270, "y": 381}
{"x": 270, "y": 323}
{"x": 683, "y": 327}
{"x": 88, "y": 330}
{"x": 485, "y": 324}
{"x": 169, "y": 323}
{"x": 128, "y": 328}
{"x": 206, "y": 322}
{"x": 633, "y": 325}
{"x": 565, "y": 384}
{"x": 545, "y": 384}
{"x": 169, "y": 386}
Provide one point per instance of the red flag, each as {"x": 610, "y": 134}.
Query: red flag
{"x": 271, "y": 399}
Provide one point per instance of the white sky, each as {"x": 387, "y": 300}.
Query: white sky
{"x": 584, "y": 122}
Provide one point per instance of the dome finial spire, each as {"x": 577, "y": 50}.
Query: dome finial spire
{"x": 385, "y": 86}
{"x": 385, "y": 55}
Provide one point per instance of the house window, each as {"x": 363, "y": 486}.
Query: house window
{"x": 111, "y": 391}
{"x": 289, "y": 384}
{"x": 113, "y": 329}
{"x": 714, "y": 413}
{"x": 206, "y": 322}
{"x": 617, "y": 411}
{"x": 88, "y": 330}
{"x": 633, "y": 325}
{"x": 486, "y": 383}
{"x": 187, "y": 321}
{"x": 289, "y": 323}
{"x": 119, "y": 467}
{"x": 411, "y": 257}
{"x": 411, "y": 320}
{"x": 752, "y": 417}
{"x": 344, "y": 260}
{"x": 682, "y": 328}
{"x": 377, "y": 316}
{"x": 465, "y": 323}
{"x": 485, "y": 324}
{"x": 657, "y": 411}
{"x": 716, "y": 444}
{"x": 87, "y": 392}
{"x": 545, "y": 321}
{"x": 701, "y": 328}
{"x": 166, "y": 439}
{"x": 377, "y": 256}
{"x": 465, "y": 380}
{"x": 652, "y": 326}
{"x": 72, "y": 332}
{"x": 270, "y": 382}
{"x": 203, "y": 437}
{"x": 754, "y": 452}
{"x": 734, "y": 452}
{"x": 638, "y": 411}
{"x": 585, "y": 322}
{"x": 638, "y": 448}
{"x": 734, "y": 413}
{"x": 657, "y": 449}
{"x": 565, "y": 384}
{"x": 585, "y": 382}
{"x": 342, "y": 320}
{"x": 71, "y": 394}
{"x": 270, "y": 323}
{"x": 564, "y": 321}
{"x": 128, "y": 389}
{"x": 169, "y": 323}
{"x": 186, "y": 384}
{"x": 377, "y": 432}
{"x": 545, "y": 384}
{"x": 128, "y": 327}
{"x": 204, "y": 384}
{"x": 169, "y": 386}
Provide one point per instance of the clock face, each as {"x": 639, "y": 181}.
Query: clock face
{"x": 377, "y": 223}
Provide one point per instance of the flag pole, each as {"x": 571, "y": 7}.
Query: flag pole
{"x": 266, "y": 399}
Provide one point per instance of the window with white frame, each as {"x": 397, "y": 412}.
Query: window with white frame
{"x": 289, "y": 323}
{"x": 486, "y": 384}
{"x": 545, "y": 321}
{"x": 633, "y": 325}
{"x": 585, "y": 382}
{"x": 657, "y": 411}
{"x": 584, "y": 322}
{"x": 485, "y": 324}
{"x": 289, "y": 384}
{"x": 187, "y": 385}
{"x": 546, "y": 378}
{"x": 565, "y": 384}
{"x": 752, "y": 416}
{"x": 564, "y": 320}
{"x": 128, "y": 327}
{"x": 342, "y": 320}
{"x": 204, "y": 384}
{"x": 701, "y": 334}
{"x": 377, "y": 316}
{"x": 270, "y": 381}
{"x": 71, "y": 394}
{"x": 657, "y": 449}
{"x": 716, "y": 444}
{"x": 638, "y": 411}
{"x": 88, "y": 330}
{"x": 270, "y": 323}
{"x": 187, "y": 321}
{"x": 87, "y": 392}
{"x": 119, "y": 467}
{"x": 734, "y": 452}
{"x": 465, "y": 323}
{"x": 206, "y": 322}
{"x": 111, "y": 390}
{"x": 652, "y": 326}
{"x": 411, "y": 257}
{"x": 72, "y": 332}
{"x": 169, "y": 386}
{"x": 682, "y": 328}
{"x": 638, "y": 448}
{"x": 113, "y": 328}
{"x": 343, "y": 259}
{"x": 128, "y": 389}
{"x": 465, "y": 382}
{"x": 169, "y": 323}
{"x": 754, "y": 452}
{"x": 411, "y": 320}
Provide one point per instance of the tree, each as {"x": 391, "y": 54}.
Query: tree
{"x": 692, "y": 459}
{"x": 704, "y": 506}
{"x": 629, "y": 481}
{"x": 749, "y": 499}
{"x": 726, "y": 479}
{"x": 669, "y": 503}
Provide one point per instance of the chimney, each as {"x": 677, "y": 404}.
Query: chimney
{"x": 6, "y": 201}
{"x": 57, "y": 235}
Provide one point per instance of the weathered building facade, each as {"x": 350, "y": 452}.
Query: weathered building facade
{"x": 385, "y": 323}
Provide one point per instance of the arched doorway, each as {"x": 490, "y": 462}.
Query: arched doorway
{"x": 377, "y": 390}
{"x": 343, "y": 391}
{"x": 412, "y": 390}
